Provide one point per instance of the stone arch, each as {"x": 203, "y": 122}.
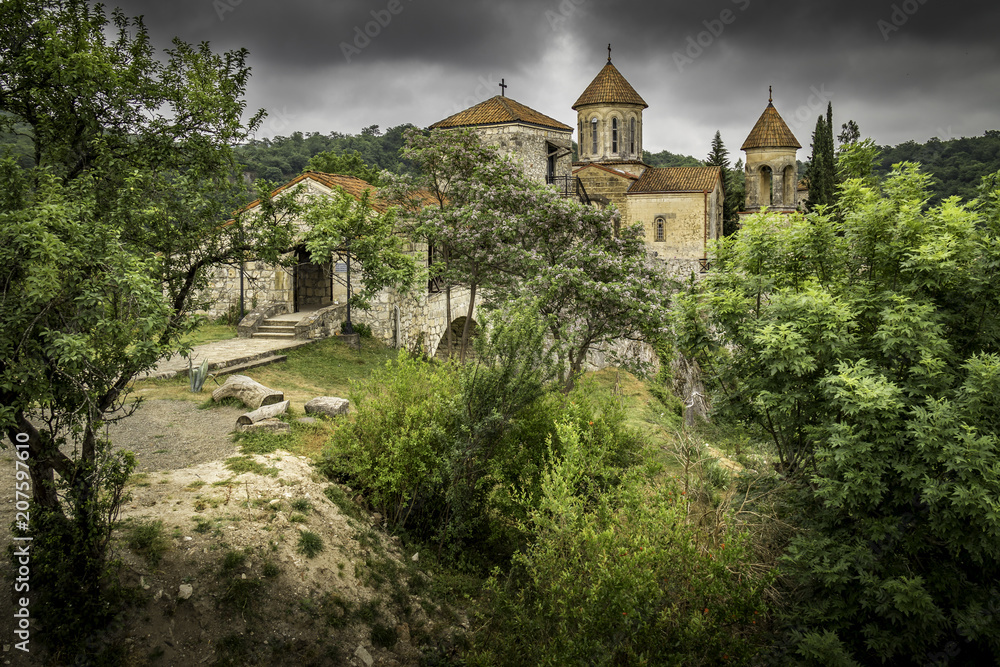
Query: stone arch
{"x": 457, "y": 326}
{"x": 765, "y": 178}
{"x": 788, "y": 183}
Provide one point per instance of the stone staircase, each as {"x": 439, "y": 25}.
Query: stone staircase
{"x": 276, "y": 328}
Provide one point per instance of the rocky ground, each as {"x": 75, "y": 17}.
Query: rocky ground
{"x": 228, "y": 582}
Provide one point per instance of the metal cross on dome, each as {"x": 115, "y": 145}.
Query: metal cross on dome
{"x": 503, "y": 88}
{"x": 609, "y": 53}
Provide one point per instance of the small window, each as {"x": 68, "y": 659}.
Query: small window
{"x": 631, "y": 136}
{"x": 614, "y": 135}
{"x": 593, "y": 136}
{"x": 659, "y": 229}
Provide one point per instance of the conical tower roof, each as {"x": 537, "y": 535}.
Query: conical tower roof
{"x": 770, "y": 132}
{"x": 609, "y": 87}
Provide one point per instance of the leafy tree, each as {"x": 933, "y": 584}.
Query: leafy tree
{"x": 850, "y": 133}
{"x": 591, "y": 278}
{"x": 107, "y": 238}
{"x": 343, "y": 228}
{"x": 866, "y": 342}
{"x": 733, "y": 180}
{"x": 821, "y": 174}
{"x": 668, "y": 159}
{"x": 349, "y": 164}
{"x": 718, "y": 156}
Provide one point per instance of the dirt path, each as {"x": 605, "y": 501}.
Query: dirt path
{"x": 169, "y": 435}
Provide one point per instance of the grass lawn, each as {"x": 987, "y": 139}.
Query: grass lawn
{"x": 209, "y": 333}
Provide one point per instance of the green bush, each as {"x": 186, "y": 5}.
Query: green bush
{"x": 363, "y": 330}
{"x": 309, "y": 544}
{"x": 146, "y": 538}
{"x": 618, "y": 579}
{"x": 395, "y": 447}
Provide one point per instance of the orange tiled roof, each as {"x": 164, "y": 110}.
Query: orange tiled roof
{"x": 500, "y": 109}
{"x": 677, "y": 179}
{"x": 353, "y": 185}
{"x": 770, "y": 132}
{"x": 609, "y": 87}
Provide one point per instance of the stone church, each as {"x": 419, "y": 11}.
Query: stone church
{"x": 679, "y": 209}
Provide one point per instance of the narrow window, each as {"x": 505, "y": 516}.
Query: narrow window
{"x": 593, "y": 136}
{"x": 659, "y": 229}
{"x": 631, "y": 136}
{"x": 614, "y": 135}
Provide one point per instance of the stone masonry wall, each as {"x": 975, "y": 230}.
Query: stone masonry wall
{"x": 529, "y": 145}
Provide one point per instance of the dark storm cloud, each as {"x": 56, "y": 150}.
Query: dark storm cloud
{"x": 902, "y": 69}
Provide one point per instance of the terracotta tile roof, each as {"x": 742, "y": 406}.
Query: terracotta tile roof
{"x": 351, "y": 184}
{"x": 609, "y": 87}
{"x": 677, "y": 179}
{"x": 500, "y": 109}
{"x": 770, "y": 132}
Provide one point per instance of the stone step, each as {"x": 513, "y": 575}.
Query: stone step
{"x": 245, "y": 366}
{"x": 274, "y": 335}
{"x": 275, "y": 328}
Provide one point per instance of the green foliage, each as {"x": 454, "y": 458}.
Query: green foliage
{"x": 588, "y": 275}
{"x": 147, "y": 539}
{"x": 360, "y": 328}
{"x": 348, "y": 164}
{"x": 668, "y": 159}
{"x": 450, "y": 453}
{"x": 618, "y": 578}
{"x": 342, "y": 228}
{"x": 309, "y": 544}
{"x": 867, "y": 346}
{"x": 956, "y": 165}
{"x": 247, "y": 464}
{"x": 821, "y": 174}
{"x": 106, "y": 237}
{"x": 282, "y": 158}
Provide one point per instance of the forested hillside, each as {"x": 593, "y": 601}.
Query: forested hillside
{"x": 956, "y": 165}
{"x": 283, "y": 158}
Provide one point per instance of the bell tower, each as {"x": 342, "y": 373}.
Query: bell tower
{"x": 771, "y": 169}
{"x": 609, "y": 118}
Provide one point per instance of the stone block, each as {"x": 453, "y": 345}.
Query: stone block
{"x": 330, "y": 406}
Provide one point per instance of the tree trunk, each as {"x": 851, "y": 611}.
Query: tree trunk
{"x": 265, "y": 412}
{"x": 468, "y": 321}
{"x": 252, "y": 393}
{"x": 42, "y": 465}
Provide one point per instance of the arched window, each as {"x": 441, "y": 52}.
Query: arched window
{"x": 614, "y": 135}
{"x": 593, "y": 135}
{"x": 631, "y": 136}
{"x": 659, "y": 224}
{"x": 765, "y": 186}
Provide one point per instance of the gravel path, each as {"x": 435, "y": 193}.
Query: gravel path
{"x": 169, "y": 435}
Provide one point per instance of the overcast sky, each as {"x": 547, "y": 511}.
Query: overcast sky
{"x": 909, "y": 69}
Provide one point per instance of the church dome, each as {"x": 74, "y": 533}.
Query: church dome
{"x": 770, "y": 132}
{"x": 609, "y": 87}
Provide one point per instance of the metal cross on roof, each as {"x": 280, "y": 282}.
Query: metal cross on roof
{"x": 769, "y": 94}
{"x": 609, "y": 53}
{"x": 503, "y": 87}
